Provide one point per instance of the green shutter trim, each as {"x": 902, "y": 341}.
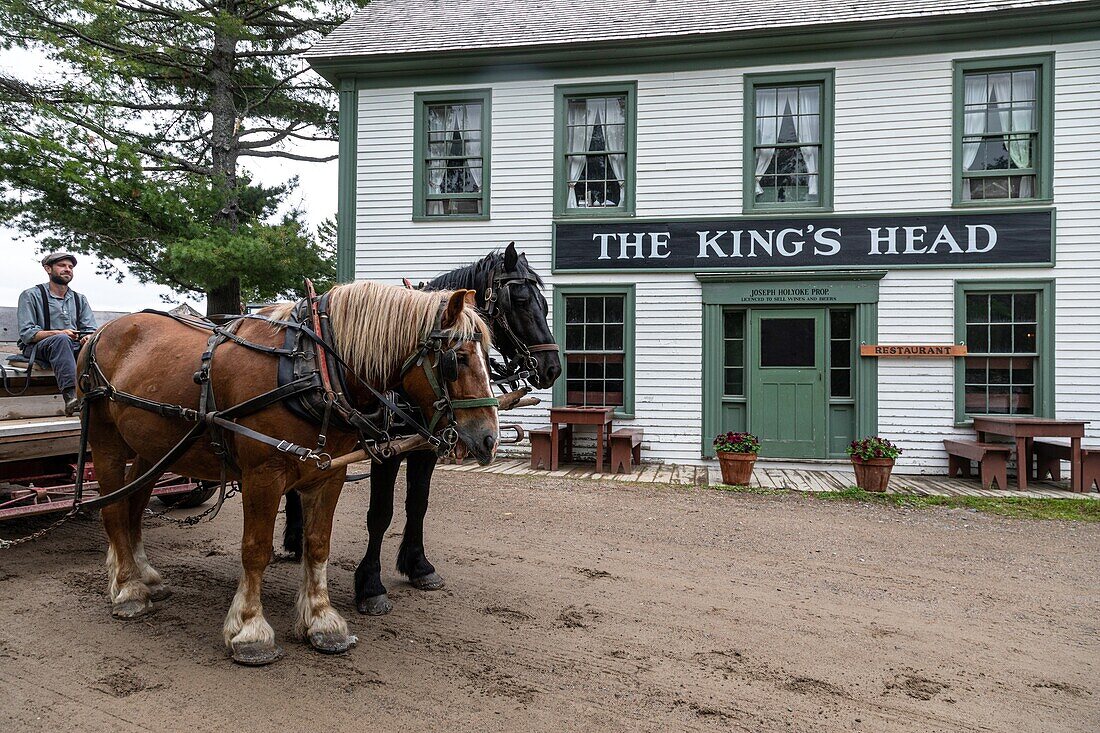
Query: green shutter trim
{"x": 827, "y": 79}
{"x": 345, "y": 185}
{"x": 421, "y": 100}
{"x": 712, "y": 375}
{"x": 1045, "y": 172}
{"x": 560, "y": 291}
{"x": 561, "y": 197}
{"x": 1044, "y": 314}
{"x": 866, "y": 374}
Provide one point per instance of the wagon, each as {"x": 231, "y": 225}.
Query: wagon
{"x": 39, "y": 446}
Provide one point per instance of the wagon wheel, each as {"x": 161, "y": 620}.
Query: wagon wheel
{"x": 191, "y": 499}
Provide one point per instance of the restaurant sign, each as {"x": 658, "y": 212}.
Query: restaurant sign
{"x": 912, "y": 350}
{"x": 865, "y": 240}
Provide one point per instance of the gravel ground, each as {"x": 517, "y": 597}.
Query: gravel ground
{"x": 576, "y": 605}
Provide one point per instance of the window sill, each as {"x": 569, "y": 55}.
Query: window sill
{"x": 448, "y": 219}
{"x": 593, "y": 213}
{"x": 1001, "y": 203}
{"x": 782, "y": 210}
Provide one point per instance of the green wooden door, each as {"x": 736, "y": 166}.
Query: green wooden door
{"x": 787, "y": 402}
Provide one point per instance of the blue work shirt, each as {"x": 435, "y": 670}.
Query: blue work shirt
{"x": 62, "y": 313}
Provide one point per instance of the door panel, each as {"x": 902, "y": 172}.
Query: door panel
{"x": 788, "y": 382}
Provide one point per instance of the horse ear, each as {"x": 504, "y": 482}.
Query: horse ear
{"x": 511, "y": 257}
{"x": 471, "y": 299}
{"x": 454, "y": 308}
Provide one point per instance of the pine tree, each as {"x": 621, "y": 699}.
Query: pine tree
{"x": 135, "y": 153}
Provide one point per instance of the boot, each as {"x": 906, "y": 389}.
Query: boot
{"x": 72, "y": 404}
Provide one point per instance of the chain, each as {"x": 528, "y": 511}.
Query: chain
{"x": 8, "y": 544}
{"x": 195, "y": 518}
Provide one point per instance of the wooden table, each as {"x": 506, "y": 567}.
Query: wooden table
{"x": 1025, "y": 430}
{"x": 600, "y": 417}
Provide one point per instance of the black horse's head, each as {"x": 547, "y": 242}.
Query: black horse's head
{"x": 516, "y": 289}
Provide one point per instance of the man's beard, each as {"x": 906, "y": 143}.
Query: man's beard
{"x": 59, "y": 279}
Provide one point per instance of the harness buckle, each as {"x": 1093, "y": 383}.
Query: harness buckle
{"x": 284, "y": 446}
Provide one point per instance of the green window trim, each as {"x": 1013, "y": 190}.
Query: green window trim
{"x": 1044, "y": 311}
{"x": 1044, "y": 63}
{"x": 421, "y": 101}
{"x": 562, "y": 93}
{"x": 627, "y": 291}
{"x": 827, "y": 79}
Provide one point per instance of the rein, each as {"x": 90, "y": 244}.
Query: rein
{"x": 523, "y": 361}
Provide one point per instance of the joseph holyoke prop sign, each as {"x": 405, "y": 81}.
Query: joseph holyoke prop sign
{"x": 875, "y": 240}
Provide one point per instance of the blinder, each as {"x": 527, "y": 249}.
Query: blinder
{"x": 448, "y": 365}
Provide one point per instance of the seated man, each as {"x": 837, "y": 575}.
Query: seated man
{"x": 51, "y": 318}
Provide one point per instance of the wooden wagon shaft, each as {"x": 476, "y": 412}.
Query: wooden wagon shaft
{"x": 510, "y": 401}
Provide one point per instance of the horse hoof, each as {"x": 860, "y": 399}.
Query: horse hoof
{"x": 256, "y": 654}
{"x": 431, "y": 581}
{"x": 128, "y": 610}
{"x": 332, "y": 642}
{"x": 375, "y": 605}
{"x": 159, "y": 592}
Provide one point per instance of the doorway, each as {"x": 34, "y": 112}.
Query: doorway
{"x": 788, "y": 407}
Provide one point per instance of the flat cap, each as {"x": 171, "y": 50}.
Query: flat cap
{"x": 53, "y": 257}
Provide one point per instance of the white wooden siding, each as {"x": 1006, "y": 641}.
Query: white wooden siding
{"x": 892, "y": 154}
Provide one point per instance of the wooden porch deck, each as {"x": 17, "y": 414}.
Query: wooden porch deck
{"x": 816, "y": 478}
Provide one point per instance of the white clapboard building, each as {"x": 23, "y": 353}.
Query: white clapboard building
{"x": 785, "y": 217}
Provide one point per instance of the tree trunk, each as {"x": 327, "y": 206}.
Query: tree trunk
{"x": 224, "y": 140}
{"x": 225, "y": 299}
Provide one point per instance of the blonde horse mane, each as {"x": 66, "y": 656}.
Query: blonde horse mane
{"x": 377, "y": 326}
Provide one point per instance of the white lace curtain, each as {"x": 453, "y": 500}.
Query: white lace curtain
{"x": 464, "y": 118}
{"x": 983, "y": 92}
{"x": 772, "y": 107}
{"x": 584, "y": 116}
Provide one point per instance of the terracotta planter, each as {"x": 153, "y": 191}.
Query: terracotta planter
{"x": 736, "y": 467}
{"x": 872, "y": 474}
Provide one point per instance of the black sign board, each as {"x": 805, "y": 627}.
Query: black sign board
{"x": 866, "y": 240}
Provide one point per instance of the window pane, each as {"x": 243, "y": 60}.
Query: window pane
{"x": 1024, "y": 338}
{"x": 787, "y": 342}
{"x": 840, "y": 383}
{"x": 735, "y": 382}
{"x": 735, "y": 352}
{"x": 977, "y": 309}
{"x": 593, "y": 310}
{"x": 841, "y": 353}
{"x": 613, "y": 337}
{"x": 574, "y": 337}
{"x": 977, "y": 339}
{"x": 1024, "y": 307}
{"x": 1000, "y": 339}
{"x": 840, "y": 324}
{"x": 1000, "y": 308}
{"x": 734, "y": 323}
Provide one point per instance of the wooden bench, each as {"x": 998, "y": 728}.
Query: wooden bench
{"x": 1050, "y": 452}
{"x": 540, "y": 445}
{"x": 992, "y": 459}
{"x": 626, "y": 449}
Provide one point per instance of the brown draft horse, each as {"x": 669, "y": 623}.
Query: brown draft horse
{"x": 375, "y": 328}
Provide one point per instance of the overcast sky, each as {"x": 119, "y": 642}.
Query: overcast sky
{"x": 315, "y": 195}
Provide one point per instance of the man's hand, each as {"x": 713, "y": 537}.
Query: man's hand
{"x": 84, "y": 339}
{"x": 70, "y": 333}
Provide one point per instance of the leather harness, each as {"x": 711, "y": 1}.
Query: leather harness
{"x": 311, "y": 384}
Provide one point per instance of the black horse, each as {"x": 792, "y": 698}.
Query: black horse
{"x": 509, "y": 294}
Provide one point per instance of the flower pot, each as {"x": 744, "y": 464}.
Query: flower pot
{"x": 736, "y": 467}
{"x": 872, "y": 474}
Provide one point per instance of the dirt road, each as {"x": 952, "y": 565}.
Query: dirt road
{"x": 581, "y": 606}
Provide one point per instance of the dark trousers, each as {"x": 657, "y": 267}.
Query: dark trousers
{"x": 58, "y": 353}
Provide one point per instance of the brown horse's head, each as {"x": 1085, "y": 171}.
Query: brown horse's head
{"x": 380, "y": 330}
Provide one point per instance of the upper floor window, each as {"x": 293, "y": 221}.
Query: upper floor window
{"x": 788, "y": 138}
{"x": 595, "y": 150}
{"x": 452, "y": 155}
{"x": 1002, "y": 154}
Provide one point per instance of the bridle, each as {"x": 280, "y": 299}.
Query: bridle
{"x": 522, "y": 364}
{"x": 446, "y": 365}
